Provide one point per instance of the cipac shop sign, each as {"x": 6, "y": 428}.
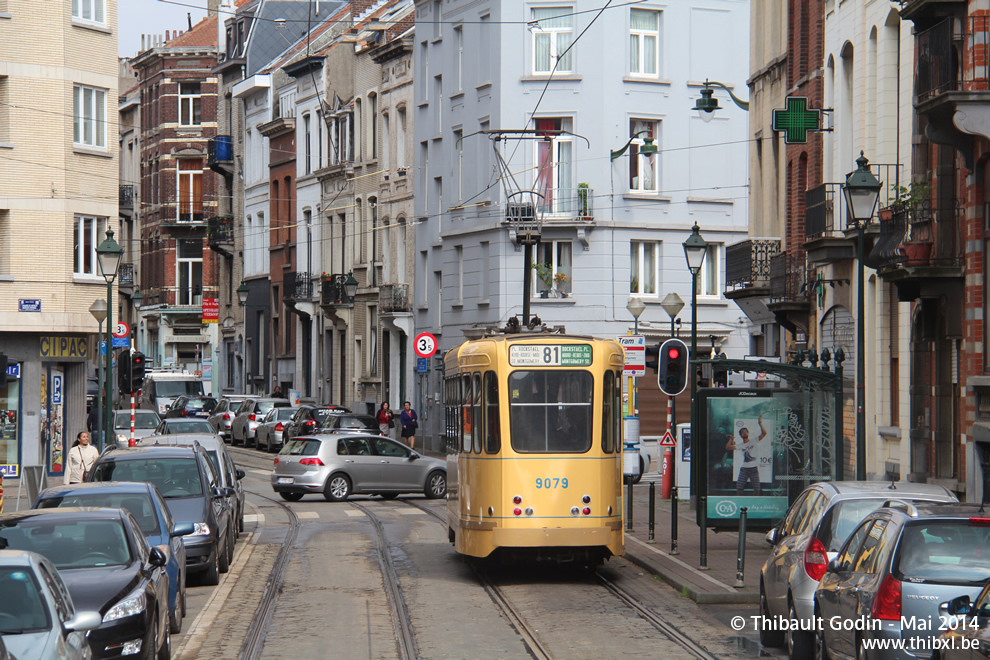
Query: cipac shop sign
{"x": 65, "y": 347}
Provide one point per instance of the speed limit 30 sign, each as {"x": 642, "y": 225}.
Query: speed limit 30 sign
{"x": 425, "y": 345}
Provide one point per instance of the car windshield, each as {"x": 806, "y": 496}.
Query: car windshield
{"x": 842, "y": 520}
{"x": 303, "y": 447}
{"x": 944, "y": 551}
{"x": 549, "y": 411}
{"x": 22, "y": 608}
{"x": 284, "y": 414}
{"x": 139, "y": 504}
{"x": 321, "y": 414}
{"x": 143, "y": 420}
{"x": 265, "y": 406}
{"x": 169, "y": 388}
{"x": 174, "y": 477}
{"x": 68, "y": 543}
{"x": 201, "y": 404}
{"x": 361, "y": 422}
{"x": 189, "y": 426}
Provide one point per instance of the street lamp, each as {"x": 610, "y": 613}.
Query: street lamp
{"x": 108, "y": 256}
{"x": 242, "y": 293}
{"x": 708, "y": 104}
{"x": 99, "y": 311}
{"x": 672, "y": 304}
{"x": 861, "y": 191}
{"x": 636, "y": 308}
{"x": 648, "y": 148}
{"x": 695, "y": 249}
{"x": 350, "y": 286}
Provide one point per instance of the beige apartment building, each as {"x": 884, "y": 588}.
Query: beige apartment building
{"x": 58, "y": 194}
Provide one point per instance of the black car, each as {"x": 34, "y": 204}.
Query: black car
{"x": 191, "y": 406}
{"x": 192, "y": 489}
{"x": 108, "y": 567}
{"x": 350, "y": 423}
{"x": 308, "y": 418}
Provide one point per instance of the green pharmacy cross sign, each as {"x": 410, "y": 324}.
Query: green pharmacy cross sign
{"x": 795, "y": 120}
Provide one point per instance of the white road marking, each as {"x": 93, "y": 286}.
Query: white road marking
{"x": 254, "y": 517}
{"x": 307, "y": 514}
{"x": 354, "y": 513}
{"x": 410, "y": 512}
{"x": 264, "y": 473}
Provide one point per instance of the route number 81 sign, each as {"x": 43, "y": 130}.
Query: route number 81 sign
{"x": 425, "y": 345}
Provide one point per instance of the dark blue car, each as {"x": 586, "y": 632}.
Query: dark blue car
{"x": 149, "y": 509}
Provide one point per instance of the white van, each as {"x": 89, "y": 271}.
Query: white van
{"x": 160, "y": 389}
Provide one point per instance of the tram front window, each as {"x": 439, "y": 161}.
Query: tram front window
{"x": 550, "y": 411}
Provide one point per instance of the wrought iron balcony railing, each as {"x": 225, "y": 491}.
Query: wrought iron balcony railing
{"x": 126, "y": 196}
{"x": 333, "y": 293}
{"x": 572, "y": 202}
{"x": 125, "y": 275}
{"x": 220, "y": 149}
{"x": 826, "y": 215}
{"x": 220, "y": 229}
{"x": 747, "y": 263}
{"x": 952, "y": 56}
{"x": 393, "y": 298}
{"x": 297, "y": 286}
{"x": 788, "y": 275}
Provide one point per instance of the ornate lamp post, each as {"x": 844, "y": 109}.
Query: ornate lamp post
{"x": 350, "y": 286}
{"x": 695, "y": 249}
{"x": 708, "y": 104}
{"x": 861, "y": 191}
{"x": 99, "y": 311}
{"x": 108, "y": 255}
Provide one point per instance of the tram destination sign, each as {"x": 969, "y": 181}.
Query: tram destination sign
{"x": 550, "y": 355}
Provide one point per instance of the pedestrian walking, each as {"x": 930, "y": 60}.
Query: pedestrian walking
{"x": 81, "y": 458}
{"x": 384, "y": 417}
{"x": 277, "y": 392}
{"x": 410, "y": 422}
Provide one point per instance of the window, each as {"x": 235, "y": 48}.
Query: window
{"x": 476, "y": 414}
{"x": 484, "y": 66}
{"x": 553, "y": 267}
{"x": 400, "y": 142}
{"x": 308, "y": 146}
{"x": 459, "y": 251}
{"x": 708, "y": 276}
{"x": 553, "y": 168}
{"x": 373, "y": 334}
{"x": 643, "y": 170}
{"x": 438, "y": 94}
{"x": 493, "y": 436}
{"x": 644, "y": 268}
{"x": 467, "y": 426}
{"x": 551, "y": 411}
{"x": 845, "y": 559}
{"x": 189, "y": 271}
{"x": 189, "y": 189}
{"x": 386, "y": 141}
{"x": 553, "y": 32}
{"x": 459, "y": 69}
{"x": 189, "y": 104}
{"x": 644, "y": 42}
{"x": 89, "y": 108}
{"x": 608, "y": 400}
{"x": 437, "y": 18}
{"x": 373, "y": 124}
{"x": 87, "y": 234}
{"x": 341, "y": 138}
{"x": 459, "y": 167}
{"x": 89, "y": 10}
{"x": 868, "y": 560}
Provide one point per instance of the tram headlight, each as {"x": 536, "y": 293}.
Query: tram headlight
{"x": 575, "y": 511}
{"x": 586, "y": 499}
{"x": 517, "y": 511}
{"x": 529, "y": 511}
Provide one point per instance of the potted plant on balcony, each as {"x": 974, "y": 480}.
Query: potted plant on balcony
{"x": 559, "y": 284}
{"x": 326, "y": 277}
{"x": 545, "y": 273}
{"x": 915, "y": 200}
{"x": 584, "y": 202}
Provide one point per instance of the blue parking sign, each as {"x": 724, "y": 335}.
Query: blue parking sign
{"x": 422, "y": 365}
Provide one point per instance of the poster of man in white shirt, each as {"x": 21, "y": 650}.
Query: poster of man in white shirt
{"x": 752, "y": 458}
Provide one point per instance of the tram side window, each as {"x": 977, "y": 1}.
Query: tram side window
{"x": 477, "y": 415}
{"x": 493, "y": 439}
{"x": 608, "y": 425}
{"x": 466, "y": 418}
{"x": 617, "y": 408}
{"x": 551, "y": 411}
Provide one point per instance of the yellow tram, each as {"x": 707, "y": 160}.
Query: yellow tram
{"x": 534, "y": 465}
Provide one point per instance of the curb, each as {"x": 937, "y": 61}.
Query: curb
{"x": 675, "y": 580}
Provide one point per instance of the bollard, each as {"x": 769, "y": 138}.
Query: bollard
{"x": 653, "y": 512}
{"x": 741, "y": 553}
{"x": 673, "y": 521}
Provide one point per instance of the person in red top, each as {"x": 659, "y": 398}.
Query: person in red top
{"x": 384, "y": 418}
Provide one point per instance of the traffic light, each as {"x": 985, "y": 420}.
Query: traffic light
{"x": 138, "y": 361}
{"x": 720, "y": 375}
{"x": 653, "y": 358}
{"x": 673, "y": 373}
{"x": 4, "y": 378}
{"x": 123, "y": 373}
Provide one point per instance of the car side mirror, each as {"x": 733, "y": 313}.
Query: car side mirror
{"x": 219, "y": 492}
{"x": 156, "y": 557}
{"x": 957, "y": 606}
{"x": 183, "y": 529}
{"x": 83, "y": 621}
{"x": 771, "y": 537}
{"x": 833, "y": 566}
{"x": 241, "y": 474}
{"x": 413, "y": 456}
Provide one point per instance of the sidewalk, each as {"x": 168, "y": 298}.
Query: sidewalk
{"x": 10, "y": 501}
{"x": 715, "y": 585}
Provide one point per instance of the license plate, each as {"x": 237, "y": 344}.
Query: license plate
{"x": 203, "y": 414}
{"x": 285, "y": 480}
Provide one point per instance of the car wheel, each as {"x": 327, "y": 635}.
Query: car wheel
{"x": 860, "y": 649}
{"x": 175, "y": 617}
{"x": 291, "y": 497}
{"x": 800, "y": 644}
{"x": 165, "y": 652}
{"x": 769, "y": 638}
{"x": 230, "y": 545}
{"x": 240, "y": 521}
{"x": 224, "y": 555}
{"x": 388, "y": 496}
{"x": 821, "y": 650}
{"x": 211, "y": 577}
{"x": 183, "y": 598}
{"x": 436, "y": 485}
{"x": 338, "y": 488}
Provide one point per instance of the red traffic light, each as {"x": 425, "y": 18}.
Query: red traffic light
{"x": 674, "y": 353}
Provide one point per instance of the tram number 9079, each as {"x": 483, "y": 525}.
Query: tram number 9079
{"x": 555, "y": 482}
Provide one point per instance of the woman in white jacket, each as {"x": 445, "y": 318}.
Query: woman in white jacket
{"x": 81, "y": 458}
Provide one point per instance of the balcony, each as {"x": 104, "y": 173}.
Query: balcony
{"x": 125, "y": 275}
{"x": 566, "y": 204}
{"x": 297, "y": 286}
{"x": 927, "y": 261}
{"x": 333, "y": 293}
{"x": 183, "y": 215}
{"x": 220, "y": 154}
{"x": 924, "y": 12}
{"x": 747, "y": 267}
{"x": 126, "y": 197}
{"x": 220, "y": 234}
{"x": 393, "y": 298}
{"x": 788, "y": 300}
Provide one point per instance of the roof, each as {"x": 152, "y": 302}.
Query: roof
{"x": 147, "y": 451}
{"x": 202, "y": 35}
{"x": 269, "y": 39}
{"x": 118, "y": 486}
{"x": 951, "y": 510}
{"x": 900, "y": 488}
{"x": 70, "y": 512}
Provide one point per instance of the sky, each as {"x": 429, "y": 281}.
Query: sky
{"x": 137, "y": 17}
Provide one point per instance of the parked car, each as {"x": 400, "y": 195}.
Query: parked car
{"x": 173, "y": 426}
{"x": 271, "y": 432}
{"x": 145, "y": 503}
{"x": 190, "y": 485}
{"x": 38, "y": 620}
{"x": 223, "y": 415}
{"x": 308, "y": 418}
{"x": 350, "y": 423}
{"x": 108, "y": 567}
{"x": 145, "y": 422}
{"x": 895, "y": 569}
{"x": 341, "y": 465}
{"x": 811, "y": 533}
{"x": 191, "y": 406}
{"x": 971, "y": 629}
{"x": 249, "y": 416}
{"x": 230, "y": 475}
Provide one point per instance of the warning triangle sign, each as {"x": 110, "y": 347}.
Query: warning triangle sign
{"x": 667, "y": 440}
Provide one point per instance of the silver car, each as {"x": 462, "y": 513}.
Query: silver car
{"x": 145, "y": 422}
{"x": 813, "y": 529}
{"x": 225, "y": 412}
{"x": 880, "y": 596}
{"x": 268, "y": 435}
{"x": 341, "y": 465}
{"x": 37, "y": 618}
{"x": 249, "y": 416}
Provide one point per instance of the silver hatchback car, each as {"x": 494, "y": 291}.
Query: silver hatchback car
{"x": 341, "y": 465}
{"x": 813, "y": 530}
